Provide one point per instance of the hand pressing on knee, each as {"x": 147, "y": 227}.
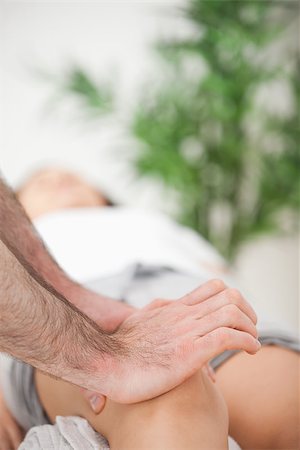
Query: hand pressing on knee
{"x": 164, "y": 345}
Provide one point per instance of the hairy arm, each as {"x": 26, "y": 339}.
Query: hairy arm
{"x": 39, "y": 326}
{"x": 20, "y": 236}
{"x": 17, "y": 232}
{"x": 37, "y": 323}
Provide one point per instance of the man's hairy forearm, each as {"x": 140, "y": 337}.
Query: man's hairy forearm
{"x": 39, "y": 326}
{"x": 38, "y": 323}
{"x": 17, "y": 232}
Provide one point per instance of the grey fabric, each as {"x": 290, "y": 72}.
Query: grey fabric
{"x": 137, "y": 285}
{"x": 265, "y": 338}
{"x": 18, "y": 386}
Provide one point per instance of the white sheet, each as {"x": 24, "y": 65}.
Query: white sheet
{"x": 93, "y": 242}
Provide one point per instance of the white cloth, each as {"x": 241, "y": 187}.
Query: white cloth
{"x": 72, "y": 433}
{"x": 93, "y": 242}
{"x": 68, "y": 433}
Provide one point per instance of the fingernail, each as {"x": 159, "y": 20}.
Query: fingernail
{"x": 96, "y": 403}
{"x": 258, "y": 344}
{"x": 211, "y": 373}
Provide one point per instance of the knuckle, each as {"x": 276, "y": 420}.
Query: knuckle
{"x": 222, "y": 338}
{"x": 217, "y": 284}
{"x": 232, "y": 311}
{"x": 233, "y": 295}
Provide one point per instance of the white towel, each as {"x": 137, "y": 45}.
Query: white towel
{"x": 68, "y": 433}
{"x": 72, "y": 433}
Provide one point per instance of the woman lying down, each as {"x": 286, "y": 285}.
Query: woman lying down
{"x": 252, "y": 396}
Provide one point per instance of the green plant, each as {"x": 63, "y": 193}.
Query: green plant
{"x": 234, "y": 165}
{"x": 93, "y": 100}
{"x": 196, "y": 131}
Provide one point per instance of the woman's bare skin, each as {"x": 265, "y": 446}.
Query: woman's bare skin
{"x": 262, "y": 393}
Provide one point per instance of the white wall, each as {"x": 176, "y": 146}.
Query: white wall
{"x": 268, "y": 270}
{"x": 106, "y": 37}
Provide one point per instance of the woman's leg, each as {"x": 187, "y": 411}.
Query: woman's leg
{"x": 262, "y": 395}
{"x": 191, "y": 416}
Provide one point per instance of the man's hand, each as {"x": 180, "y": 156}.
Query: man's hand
{"x": 165, "y": 345}
{"x": 97, "y": 401}
{"x": 11, "y": 435}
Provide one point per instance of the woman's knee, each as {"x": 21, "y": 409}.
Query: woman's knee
{"x": 197, "y": 397}
{"x": 193, "y": 414}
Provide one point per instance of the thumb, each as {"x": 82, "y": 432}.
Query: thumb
{"x": 96, "y": 401}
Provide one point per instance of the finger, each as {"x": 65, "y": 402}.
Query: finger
{"x": 203, "y": 292}
{"x": 95, "y": 400}
{"x": 222, "y": 339}
{"x": 229, "y": 316}
{"x": 227, "y": 297}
